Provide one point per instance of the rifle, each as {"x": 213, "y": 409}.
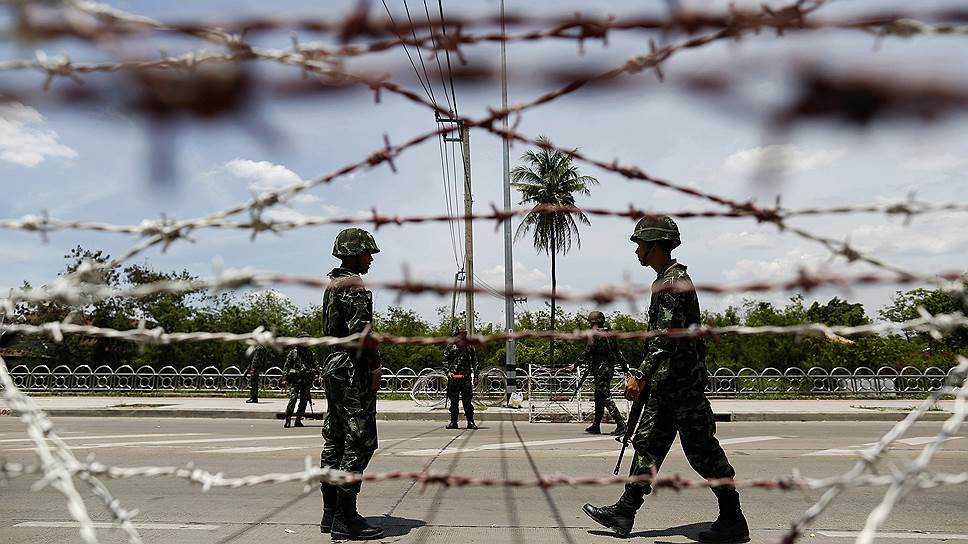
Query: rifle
{"x": 581, "y": 379}
{"x": 635, "y": 413}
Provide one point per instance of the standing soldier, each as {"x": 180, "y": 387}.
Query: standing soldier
{"x": 351, "y": 377}
{"x": 256, "y": 367}
{"x": 298, "y": 372}
{"x": 461, "y": 368}
{"x": 677, "y": 401}
{"x": 600, "y": 357}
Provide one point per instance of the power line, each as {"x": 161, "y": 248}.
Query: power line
{"x": 450, "y": 73}
{"x": 407, "y": 51}
{"x": 413, "y": 31}
{"x": 452, "y": 106}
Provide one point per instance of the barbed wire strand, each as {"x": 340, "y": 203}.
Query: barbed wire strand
{"x": 869, "y": 457}
{"x": 937, "y": 326}
{"x": 59, "y": 465}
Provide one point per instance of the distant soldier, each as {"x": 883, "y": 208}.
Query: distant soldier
{"x": 600, "y": 358}
{"x": 461, "y": 369}
{"x": 351, "y": 377}
{"x": 298, "y": 373}
{"x": 260, "y": 359}
{"x": 677, "y": 403}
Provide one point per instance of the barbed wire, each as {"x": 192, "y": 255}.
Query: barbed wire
{"x": 957, "y": 378}
{"x": 72, "y": 290}
{"x": 43, "y": 224}
{"x": 209, "y": 480}
{"x": 59, "y": 466}
{"x": 578, "y": 27}
{"x": 937, "y": 326}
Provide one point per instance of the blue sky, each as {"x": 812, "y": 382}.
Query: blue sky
{"x": 90, "y": 163}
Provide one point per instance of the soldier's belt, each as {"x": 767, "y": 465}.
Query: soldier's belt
{"x": 457, "y": 376}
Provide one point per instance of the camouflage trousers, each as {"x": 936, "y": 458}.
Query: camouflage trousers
{"x": 298, "y": 391}
{"x": 603, "y": 399}
{"x": 349, "y": 430}
{"x": 688, "y": 413}
{"x": 255, "y": 380}
{"x": 460, "y": 389}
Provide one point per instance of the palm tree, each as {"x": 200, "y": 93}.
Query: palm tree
{"x": 551, "y": 178}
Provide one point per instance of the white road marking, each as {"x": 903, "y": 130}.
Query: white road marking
{"x": 97, "y": 437}
{"x": 104, "y": 525}
{"x": 725, "y": 441}
{"x": 903, "y": 535}
{"x": 253, "y": 449}
{"x": 855, "y": 450}
{"x": 504, "y": 446}
{"x": 177, "y": 442}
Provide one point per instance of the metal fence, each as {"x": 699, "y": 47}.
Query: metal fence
{"x": 539, "y": 381}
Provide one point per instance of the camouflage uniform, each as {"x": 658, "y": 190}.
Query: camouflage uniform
{"x": 349, "y": 430}
{"x": 461, "y": 364}
{"x": 256, "y": 367}
{"x": 299, "y": 370}
{"x": 350, "y": 426}
{"x": 601, "y": 356}
{"x": 677, "y": 401}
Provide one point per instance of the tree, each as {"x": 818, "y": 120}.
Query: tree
{"x": 551, "y": 178}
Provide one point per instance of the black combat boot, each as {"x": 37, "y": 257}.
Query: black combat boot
{"x": 453, "y": 421}
{"x": 348, "y": 524}
{"x": 731, "y": 525}
{"x": 299, "y": 422}
{"x": 471, "y": 424}
{"x": 596, "y": 427}
{"x": 619, "y": 516}
{"x": 330, "y": 498}
{"x": 619, "y": 424}
{"x": 288, "y": 422}
{"x": 252, "y": 400}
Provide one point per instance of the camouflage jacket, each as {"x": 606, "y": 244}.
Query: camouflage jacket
{"x": 347, "y": 309}
{"x": 601, "y": 357}
{"x": 674, "y": 363}
{"x": 300, "y": 365}
{"x": 259, "y": 362}
{"x": 461, "y": 360}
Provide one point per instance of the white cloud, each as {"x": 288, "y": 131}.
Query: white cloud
{"x": 524, "y": 277}
{"x": 266, "y": 176}
{"x": 263, "y": 175}
{"x": 941, "y": 234}
{"x": 785, "y": 266}
{"x": 934, "y": 162}
{"x": 741, "y": 240}
{"x": 22, "y": 144}
{"x": 780, "y": 160}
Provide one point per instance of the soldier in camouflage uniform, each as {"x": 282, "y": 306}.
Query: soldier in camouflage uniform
{"x": 677, "y": 401}
{"x": 256, "y": 367}
{"x": 600, "y": 358}
{"x": 298, "y": 373}
{"x": 461, "y": 367}
{"x": 351, "y": 379}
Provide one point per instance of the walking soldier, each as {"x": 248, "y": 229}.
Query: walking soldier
{"x": 351, "y": 377}
{"x": 600, "y": 358}
{"x": 676, "y": 401}
{"x": 298, "y": 371}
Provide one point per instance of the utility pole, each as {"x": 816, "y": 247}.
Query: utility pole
{"x": 510, "y": 359}
{"x": 465, "y": 136}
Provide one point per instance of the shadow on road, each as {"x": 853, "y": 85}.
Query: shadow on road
{"x": 394, "y": 526}
{"x": 690, "y": 531}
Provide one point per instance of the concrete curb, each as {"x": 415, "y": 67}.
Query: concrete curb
{"x": 482, "y": 416}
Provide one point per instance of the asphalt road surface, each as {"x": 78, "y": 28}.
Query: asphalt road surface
{"x": 176, "y": 511}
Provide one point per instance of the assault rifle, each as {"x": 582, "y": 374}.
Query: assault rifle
{"x": 635, "y": 413}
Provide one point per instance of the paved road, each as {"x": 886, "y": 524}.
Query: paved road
{"x": 175, "y": 511}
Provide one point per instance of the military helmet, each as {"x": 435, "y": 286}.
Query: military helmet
{"x": 354, "y": 241}
{"x": 657, "y": 229}
{"x": 596, "y": 317}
